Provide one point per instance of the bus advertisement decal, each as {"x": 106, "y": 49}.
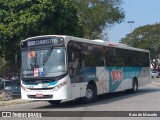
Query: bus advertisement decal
{"x": 116, "y": 76}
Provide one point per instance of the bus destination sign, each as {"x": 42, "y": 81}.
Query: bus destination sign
{"x": 40, "y": 42}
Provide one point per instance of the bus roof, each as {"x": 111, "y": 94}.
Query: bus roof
{"x": 42, "y": 36}
{"x": 96, "y": 41}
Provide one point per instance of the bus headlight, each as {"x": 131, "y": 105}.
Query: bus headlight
{"x": 24, "y": 88}
{"x": 59, "y": 86}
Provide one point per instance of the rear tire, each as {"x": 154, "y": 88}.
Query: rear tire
{"x": 134, "y": 86}
{"x": 54, "y": 102}
{"x": 91, "y": 95}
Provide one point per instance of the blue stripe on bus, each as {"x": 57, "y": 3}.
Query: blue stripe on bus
{"x": 117, "y": 74}
{"x": 28, "y": 83}
{"x": 51, "y": 83}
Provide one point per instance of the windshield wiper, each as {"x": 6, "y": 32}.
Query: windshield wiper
{"x": 47, "y": 55}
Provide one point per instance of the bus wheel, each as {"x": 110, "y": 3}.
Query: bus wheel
{"x": 54, "y": 102}
{"x": 91, "y": 94}
{"x": 134, "y": 86}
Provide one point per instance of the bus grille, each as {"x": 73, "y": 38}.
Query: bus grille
{"x": 44, "y": 96}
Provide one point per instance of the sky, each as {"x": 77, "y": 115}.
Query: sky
{"x": 142, "y": 12}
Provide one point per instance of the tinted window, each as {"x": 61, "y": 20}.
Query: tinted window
{"x": 74, "y": 58}
{"x": 96, "y": 55}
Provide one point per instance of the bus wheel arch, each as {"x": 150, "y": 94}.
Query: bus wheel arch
{"x": 91, "y": 93}
{"x": 92, "y": 83}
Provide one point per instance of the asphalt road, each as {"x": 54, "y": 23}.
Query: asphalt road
{"x": 147, "y": 99}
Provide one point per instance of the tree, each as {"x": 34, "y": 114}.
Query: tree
{"x": 146, "y": 37}
{"x": 20, "y": 19}
{"x": 96, "y": 15}
{"x": 1, "y": 67}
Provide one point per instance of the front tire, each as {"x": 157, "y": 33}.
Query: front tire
{"x": 91, "y": 94}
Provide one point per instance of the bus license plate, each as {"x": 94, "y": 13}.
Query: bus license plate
{"x": 39, "y": 95}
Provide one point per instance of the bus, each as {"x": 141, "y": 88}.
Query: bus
{"x": 57, "y": 68}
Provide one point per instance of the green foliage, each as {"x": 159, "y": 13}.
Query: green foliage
{"x": 20, "y": 19}
{"x": 8, "y": 70}
{"x": 96, "y": 15}
{"x": 146, "y": 37}
{"x": 2, "y": 63}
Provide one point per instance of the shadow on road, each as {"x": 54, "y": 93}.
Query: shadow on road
{"x": 102, "y": 99}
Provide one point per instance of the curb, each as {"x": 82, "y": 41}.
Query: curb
{"x": 14, "y": 102}
{"x": 156, "y": 84}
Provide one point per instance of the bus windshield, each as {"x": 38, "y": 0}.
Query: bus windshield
{"x": 49, "y": 62}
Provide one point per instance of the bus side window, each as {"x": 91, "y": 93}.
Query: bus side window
{"x": 74, "y": 59}
{"x": 106, "y": 56}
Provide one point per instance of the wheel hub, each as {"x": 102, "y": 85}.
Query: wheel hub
{"x": 135, "y": 87}
{"x": 89, "y": 93}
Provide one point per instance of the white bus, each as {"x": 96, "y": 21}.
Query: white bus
{"x": 58, "y": 67}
